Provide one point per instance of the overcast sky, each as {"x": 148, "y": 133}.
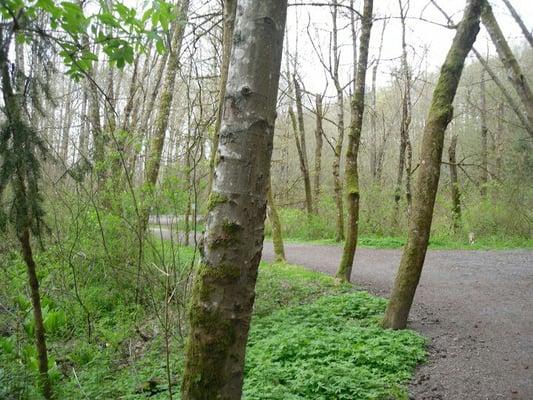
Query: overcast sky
{"x": 421, "y": 36}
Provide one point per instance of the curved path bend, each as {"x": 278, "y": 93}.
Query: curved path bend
{"x": 476, "y": 307}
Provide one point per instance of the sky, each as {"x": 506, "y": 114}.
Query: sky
{"x": 421, "y": 36}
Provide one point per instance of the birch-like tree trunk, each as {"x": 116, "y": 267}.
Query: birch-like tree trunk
{"x": 319, "y": 140}
{"x": 354, "y": 137}
{"x": 484, "y": 139}
{"x": 454, "y": 184}
{"x": 425, "y": 190}
{"x": 277, "y": 235}
{"x": 224, "y": 288}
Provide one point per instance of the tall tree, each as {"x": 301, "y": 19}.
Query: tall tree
{"x": 454, "y": 184}
{"x": 153, "y": 161}
{"x": 484, "y": 138}
{"x": 224, "y": 287}
{"x": 425, "y": 190}
{"x": 19, "y": 155}
{"x": 319, "y": 133}
{"x": 230, "y": 8}
{"x": 354, "y": 137}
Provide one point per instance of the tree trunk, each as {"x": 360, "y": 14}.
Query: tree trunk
{"x": 425, "y": 191}
{"x": 153, "y": 160}
{"x": 277, "y": 236}
{"x": 510, "y": 100}
{"x": 230, "y": 8}
{"x": 514, "y": 72}
{"x": 18, "y": 145}
{"x": 523, "y": 27}
{"x": 484, "y": 143}
{"x": 224, "y": 288}
{"x": 304, "y": 163}
{"x": 354, "y": 137}
{"x": 67, "y": 121}
{"x": 454, "y": 183}
{"x": 319, "y": 133}
{"x": 337, "y": 151}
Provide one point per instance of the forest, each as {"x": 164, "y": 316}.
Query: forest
{"x": 244, "y": 199}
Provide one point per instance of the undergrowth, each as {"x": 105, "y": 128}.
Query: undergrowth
{"x": 311, "y": 338}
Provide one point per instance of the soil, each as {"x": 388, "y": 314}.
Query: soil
{"x": 475, "y": 307}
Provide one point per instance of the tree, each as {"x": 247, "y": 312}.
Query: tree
{"x": 230, "y": 8}
{"x": 523, "y": 27}
{"x": 514, "y": 72}
{"x": 224, "y": 287}
{"x": 319, "y": 133}
{"x": 425, "y": 190}
{"x": 454, "y": 183}
{"x": 277, "y": 236}
{"x": 354, "y": 137}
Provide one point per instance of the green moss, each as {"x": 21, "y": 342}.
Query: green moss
{"x": 215, "y": 199}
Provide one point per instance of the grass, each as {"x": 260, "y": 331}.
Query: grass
{"x": 311, "y": 338}
{"x": 438, "y": 243}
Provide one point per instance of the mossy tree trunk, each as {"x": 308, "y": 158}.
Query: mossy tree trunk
{"x": 454, "y": 184}
{"x": 354, "y": 137}
{"x": 319, "y": 140}
{"x": 230, "y": 8}
{"x": 337, "y": 150}
{"x": 425, "y": 190}
{"x": 153, "y": 160}
{"x": 514, "y": 72}
{"x": 302, "y": 147}
{"x": 277, "y": 235}
{"x": 224, "y": 287}
{"x": 484, "y": 138}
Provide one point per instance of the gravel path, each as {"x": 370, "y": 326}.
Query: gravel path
{"x": 476, "y": 307}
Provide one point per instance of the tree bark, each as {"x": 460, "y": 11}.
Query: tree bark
{"x": 484, "y": 142}
{"x": 224, "y": 288}
{"x": 230, "y": 8}
{"x": 454, "y": 183}
{"x": 303, "y": 148}
{"x": 277, "y": 236}
{"x": 425, "y": 191}
{"x": 153, "y": 160}
{"x": 518, "y": 19}
{"x": 510, "y": 100}
{"x": 319, "y": 133}
{"x": 514, "y": 72}
{"x": 337, "y": 151}
{"x": 354, "y": 137}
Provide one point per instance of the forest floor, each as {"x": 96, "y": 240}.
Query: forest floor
{"x": 476, "y": 308}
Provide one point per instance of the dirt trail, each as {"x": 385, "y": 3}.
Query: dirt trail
{"x": 476, "y": 307}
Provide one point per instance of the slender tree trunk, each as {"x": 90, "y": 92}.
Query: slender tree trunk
{"x": 373, "y": 111}
{"x": 514, "y": 72}
{"x": 510, "y": 100}
{"x": 83, "y": 144}
{"x": 523, "y": 27}
{"x": 304, "y": 163}
{"x": 277, "y": 236}
{"x": 484, "y": 142}
{"x": 224, "y": 288}
{"x": 454, "y": 183}
{"x": 337, "y": 153}
{"x": 354, "y": 136}
{"x": 153, "y": 160}
{"x": 319, "y": 133}
{"x": 230, "y": 9}
{"x": 498, "y": 140}
{"x": 425, "y": 191}
{"x": 19, "y": 144}
{"x": 67, "y": 121}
